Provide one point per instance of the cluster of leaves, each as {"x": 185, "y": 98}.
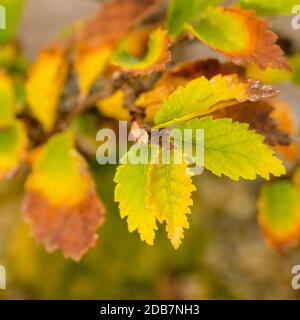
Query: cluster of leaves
{"x": 116, "y": 66}
{"x": 12, "y": 96}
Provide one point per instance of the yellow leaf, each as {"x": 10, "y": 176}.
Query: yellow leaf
{"x": 90, "y": 64}
{"x": 269, "y": 75}
{"x": 147, "y": 191}
{"x": 61, "y": 202}
{"x": 169, "y": 197}
{"x": 231, "y": 149}
{"x": 131, "y": 193}
{"x": 114, "y": 106}
{"x": 202, "y": 96}
{"x": 44, "y": 85}
{"x": 152, "y": 100}
{"x": 180, "y": 75}
{"x": 13, "y": 143}
{"x": 57, "y": 170}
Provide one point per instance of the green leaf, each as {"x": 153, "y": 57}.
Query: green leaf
{"x": 182, "y": 11}
{"x": 13, "y": 9}
{"x": 239, "y": 35}
{"x": 148, "y": 191}
{"x": 201, "y": 96}
{"x": 170, "y": 191}
{"x": 270, "y": 7}
{"x": 13, "y": 142}
{"x": 131, "y": 193}
{"x": 57, "y": 170}
{"x": 156, "y": 58}
{"x": 233, "y": 150}
{"x": 278, "y": 213}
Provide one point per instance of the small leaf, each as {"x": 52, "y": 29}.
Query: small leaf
{"x": 170, "y": 191}
{"x": 44, "y": 85}
{"x": 13, "y": 9}
{"x": 270, "y": 7}
{"x": 61, "y": 203}
{"x": 90, "y": 63}
{"x": 131, "y": 193}
{"x": 230, "y": 148}
{"x": 114, "y": 106}
{"x": 279, "y": 214}
{"x": 156, "y": 59}
{"x": 13, "y": 143}
{"x": 7, "y": 101}
{"x": 201, "y": 96}
{"x": 284, "y": 117}
{"x": 182, "y": 11}
{"x": 241, "y": 36}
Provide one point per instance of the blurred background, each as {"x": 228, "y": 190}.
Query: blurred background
{"x": 223, "y": 255}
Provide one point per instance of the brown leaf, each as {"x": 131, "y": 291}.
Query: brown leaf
{"x": 114, "y": 20}
{"x": 207, "y": 68}
{"x": 250, "y": 41}
{"x": 71, "y": 228}
{"x": 258, "y": 115}
{"x": 265, "y": 51}
{"x": 61, "y": 203}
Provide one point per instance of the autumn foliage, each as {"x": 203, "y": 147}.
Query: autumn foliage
{"x": 118, "y": 65}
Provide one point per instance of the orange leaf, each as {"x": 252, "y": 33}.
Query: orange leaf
{"x": 241, "y": 36}
{"x": 114, "y": 20}
{"x": 61, "y": 202}
{"x": 259, "y": 116}
{"x": 96, "y": 38}
{"x": 284, "y": 117}
{"x": 70, "y": 228}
